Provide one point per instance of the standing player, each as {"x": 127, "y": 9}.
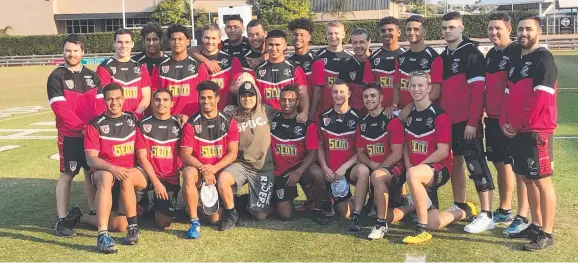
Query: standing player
{"x": 72, "y": 94}
{"x": 529, "y": 118}
{"x": 109, "y": 147}
{"x": 210, "y": 143}
{"x": 180, "y": 73}
{"x": 276, "y": 72}
{"x": 294, "y": 146}
{"x": 133, "y": 78}
{"x": 332, "y": 55}
{"x": 499, "y": 60}
{"x": 337, "y": 151}
{"x": 462, "y": 98}
{"x": 428, "y": 160}
{"x": 352, "y": 70}
{"x": 379, "y": 151}
{"x": 382, "y": 62}
{"x": 157, "y": 151}
{"x": 152, "y": 35}
{"x": 258, "y": 52}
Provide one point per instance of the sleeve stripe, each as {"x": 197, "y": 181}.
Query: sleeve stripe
{"x": 545, "y": 88}
{"x": 99, "y": 96}
{"x": 507, "y": 91}
{"x": 55, "y": 99}
{"x": 474, "y": 79}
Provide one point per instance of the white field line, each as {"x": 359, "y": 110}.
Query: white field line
{"x": 8, "y": 147}
{"x": 24, "y": 116}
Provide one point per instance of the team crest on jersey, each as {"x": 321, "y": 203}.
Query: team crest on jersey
{"x": 352, "y": 75}
{"x": 429, "y": 122}
{"x": 502, "y": 64}
{"x": 401, "y": 60}
{"x": 223, "y": 126}
{"x": 363, "y": 126}
{"x": 105, "y": 129}
{"x": 326, "y": 121}
{"x": 69, "y": 83}
{"x": 191, "y": 68}
{"x": 89, "y": 82}
{"x": 324, "y": 61}
{"x": 198, "y": 128}
{"x": 351, "y": 124}
{"x": 424, "y": 63}
{"x": 511, "y": 72}
{"x": 130, "y": 123}
{"x": 298, "y": 131}
{"x": 280, "y": 193}
{"x": 147, "y": 127}
{"x": 376, "y": 61}
{"x": 262, "y": 72}
{"x": 287, "y": 72}
{"x": 224, "y": 62}
{"x": 72, "y": 165}
{"x": 455, "y": 66}
{"x": 408, "y": 121}
{"x": 524, "y": 71}
{"x": 136, "y": 70}
{"x": 113, "y": 69}
{"x": 165, "y": 69}
{"x": 531, "y": 163}
{"x": 273, "y": 125}
{"x": 306, "y": 65}
{"x": 383, "y": 125}
{"x": 175, "y": 131}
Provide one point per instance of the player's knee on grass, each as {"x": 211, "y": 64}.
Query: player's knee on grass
{"x": 117, "y": 222}
{"x": 259, "y": 216}
{"x": 163, "y": 221}
{"x": 285, "y": 210}
{"x": 433, "y": 219}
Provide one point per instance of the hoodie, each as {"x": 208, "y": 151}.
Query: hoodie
{"x": 254, "y": 133}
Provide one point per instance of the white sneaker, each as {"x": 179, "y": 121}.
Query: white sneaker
{"x": 480, "y": 224}
{"x": 377, "y": 232}
{"x": 410, "y": 201}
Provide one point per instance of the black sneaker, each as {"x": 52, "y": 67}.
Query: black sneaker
{"x": 229, "y": 220}
{"x": 354, "y": 226}
{"x": 327, "y": 209}
{"x": 320, "y": 217}
{"x": 131, "y": 236}
{"x": 74, "y": 215}
{"x": 531, "y": 233}
{"x": 63, "y": 228}
{"x": 541, "y": 242}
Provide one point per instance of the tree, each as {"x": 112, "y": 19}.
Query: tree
{"x": 171, "y": 12}
{"x": 339, "y": 9}
{"x": 276, "y": 12}
{"x": 4, "y": 32}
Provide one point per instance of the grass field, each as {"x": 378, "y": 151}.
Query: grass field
{"x": 28, "y": 178}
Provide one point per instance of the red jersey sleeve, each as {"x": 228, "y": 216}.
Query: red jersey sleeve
{"x": 395, "y": 130}
{"x": 203, "y": 73}
{"x": 397, "y": 73}
{"x": 236, "y": 69}
{"x": 188, "y": 139}
{"x": 145, "y": 77}
{"x": 104, "y": 75}
{"x": 311, "y": 137}
{"x": 139, "y": 142}
{"x": 233, "y": 134}
{"x": 504, "y": 113}
{"x": 368, "y": 73}
{"x": 60, "y": 106}
{"x": 358, "y": 140}
{"x": 318, "y": 73}
{"x": 475, "y": 73}
{"x": 443, "y": 129}
{"x": 91, "y": 139}
{"x": 155, "y": 79}
{"x": 437, "y": 70}
{"x": 300, "y": 78}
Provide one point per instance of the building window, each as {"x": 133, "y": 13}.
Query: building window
{"x": 111, "y": 25}
{"x": 80, "y": 26}
{"x": 137, "y": 22}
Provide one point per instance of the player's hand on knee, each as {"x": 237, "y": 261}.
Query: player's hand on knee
{"x": 161, "y": 191}
{"x": 293, "y": 178}
{"x": 209, "y": 178}
{"x": 470, "y": 132}
{"x": 120, "y": 173}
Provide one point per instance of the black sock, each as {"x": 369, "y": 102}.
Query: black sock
{"x": 61, "y": 219}
{"x": 230, "y": 211}
{"x": 102, "y": 232}
{"x": 548, "y": 235}
{"x": 524, "y": 219}
{"x": 381, "y": 222}
{"x": 132, "y": 221}
{"x": 92, "y": 212}
{"x": 504, "y": 211}
{"x": 356, "y": 214}
{"x": 194, "y": 219}
{"x": 537, "y": 227}
{"x": 462, "y": 206}
{"x": 487, "y": 213}
{"x": 422, "y": 227}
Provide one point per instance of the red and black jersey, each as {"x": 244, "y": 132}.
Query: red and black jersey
{"x": 113, "y": 138}
{"x": 381, "y": 68}
{"x": 150, "y": 63}
{"x": 352, "y": 71}
{"x": 272, "y": 77}
{"x": 230, "y": 69}
{"x": 463, "y": 84}
{"x": 238, "y": 51}
{"x": 530, "y": 102}
{"x": 209, "y": 138}
{"x": 498, "y": 64}
{"x": 424, "y": 130}
{"x": 130, "y": 75}
{"x": 337, "y": 131}
{"x": 332, "y": 61}
{"x": 313, "y": 67}
{"x": 377, "y": 134}
{"x": 290, "y": 142}
{"x": 73, "y": 98}
{"x": 161, "y": 139}
{"x": 181, "y": 78}
{"x": 426, "y": 60}
{"x": 249, "y": 54}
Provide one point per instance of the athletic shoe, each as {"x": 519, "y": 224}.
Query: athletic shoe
{"x": 419, "y": 236}
{"x": 471, "y": 211}
{"x": 306, "y": 207}
{"x": 195, "y": 230}
{"x": 373, "y": 212}
{"x": 480, "y": 224}
{"x": 531, "y": 233}
{"x": 327, "y": 208}
{"x": 354, "y": 226}
{"x": 131, "y": 236}
{"x": 229, "y": 220}
{"x": 74, "y": 215}
{"x": 542, "y": 242}
{"x": 105, "y": 244}
{"x": 377, "y": 232}
{"x": 516, "y": 226}
{"x": 63, "y": 228}
{"x": 501, "y": 218}
{"x": 319, "y": 217}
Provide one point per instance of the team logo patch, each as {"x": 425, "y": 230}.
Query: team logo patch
{"x": 324, "y": 61}
{"x": 165, "y": 69}
{"x": 280, "y": 193}
{"x": 352, "y": 75}
{"x": 502, "y": 64}
{"x": 262, "y": 72}
{"x": 306, "y": 65}
{"x": 136, "y": 70}
{"x": 455, "y": 66}
{"x": 113, "y": 69}
{"x": 89, "y": 82}
{"x": 326, "y": 121}
{"x": 72, "y": 165}
{"x": 69, "y": 83}
{"x": 105, "y": 129}
{"x": 531, "y": 163}
{"x": 429, "y": 122}
{"x": 383, "y": 125}
{"x": 401, "y": 60}
{"x": 273, "y": 125}
{"x": 511, "y": 72}
{"x": 130, "y": 122}
{"x": 376, "y": 61}
{"x": 298, "y": 131}
{"x": 175, "y": 130}
{"x": 191, "y": 68}
{"x": 524, "y": 71}
{"x": 424, "y": 63}
{"x": 351, "y": 124}
{"x": 287, "y": 72}
{"x": 223, "y": 126}
{"x": 363, "y": 126}
{"x": 224, "y": 62}
{"x": 198, "y": 128}
{"x": 147, "y": 127}
{"x": 408, "y": 121}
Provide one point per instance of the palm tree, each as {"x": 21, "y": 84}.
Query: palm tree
{"x": 4, "y": 32}
{"x": 339, "y": 9}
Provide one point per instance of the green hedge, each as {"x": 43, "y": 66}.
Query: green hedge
{"x": 102, "y": 42}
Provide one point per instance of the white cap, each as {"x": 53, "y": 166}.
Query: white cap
{"x": 209, "y": 198}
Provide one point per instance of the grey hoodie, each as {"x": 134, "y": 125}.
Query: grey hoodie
{"x": 254, "y": 134}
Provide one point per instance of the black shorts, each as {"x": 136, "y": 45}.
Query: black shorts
{"x": 441, "y": 175}
{"x": 347, "y": 175}
{"x": 458, "y": 135}
{"x": 496, "y": 142}
{"x": 165, "y": 207}
{"x": 532, "y": 153}
{"x": 115, "y": 192}
{"x": 283, "y": 192}
{"x": 72, "y": 157}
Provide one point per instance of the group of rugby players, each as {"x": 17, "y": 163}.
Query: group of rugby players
{"x": 235, "y": 112}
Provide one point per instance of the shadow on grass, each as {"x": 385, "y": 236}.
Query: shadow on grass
{"x": 47, "y": 241}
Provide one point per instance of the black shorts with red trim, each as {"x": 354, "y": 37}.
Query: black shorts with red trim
{"x": 165, "y": 207}
{"x": 396, "y": 184}
{"x": 532, "y": 153}
{"x": 441, "y": 175}
{"x": 496, "y": 142}
{"x": 72, "y": 157}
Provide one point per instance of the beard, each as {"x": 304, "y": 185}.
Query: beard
{"x": 68, "y": 62}
{"x": 530, "y": 42}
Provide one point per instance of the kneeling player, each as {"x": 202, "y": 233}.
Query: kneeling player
{"x": 428, "y": 159}
{"x": 109, "y": 145}
{"x": 210, "y": 143}
{"x": 157, "y": 146}
{"x": 379, "y": 151}
{"x": 294, "y": 146}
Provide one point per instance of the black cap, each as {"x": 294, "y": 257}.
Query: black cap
{"x": 247, "y": 88}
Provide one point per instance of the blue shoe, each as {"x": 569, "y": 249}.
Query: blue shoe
{"x": 105, "y": 244}
{"x": 516, "y": 226}
{"x": 195, "y": 230}
{"x": 501, "y": 218}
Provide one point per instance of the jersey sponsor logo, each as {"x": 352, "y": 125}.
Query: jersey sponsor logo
{"x": 69, "y": 83}
{"x": 198, "y": 128}
{"x": 251, "y": 124}
{"x": 224, "y": 62}
{"x": 162, "y": 152}
{"x": 136, "y": 70}
{"x": 338, "y": 144}
{"x": 273, "y": 125}
{"x": 72, "y": 165}
{"x": 223, "y": 126}
{"x": 424, "y": 63}
{"x": 123, "y": 149}
{"x": 180, "y": 89}
{"x": 280, "y": 193}
{"x": 212, "y": 151}
{"x": 191, "y": 68}
{"x": 262, "y": 72}
{"x": 105, "y": 129}
{"x": 286, "y": 149}
{"x": 298, "y": 131}
{"x": 113, "y": 69}
{"x": 383, "y": 125}
{"x": 386, "y": 81}
{"x": 130, "y": 92}
{"x": 419, "y": 147}
{"x": 165, "y": 69}
{"x": 219, "y": 81}
{"x": 272, "y": 93}
{"x": 375, "y": 149}
{"x": 352, "y": 75}
{"x": 326, "y": 121}
{"x": 287, "y": 72}
{"x": 503, "y": 63}
{"x": 330, "y": 81}
{"x": 525, "y": 69}
{"x": 362, "y": 126}
{"x": 401, "y": 60}
{"x": 376, "y": 61}
{"x": 147, "y": 127}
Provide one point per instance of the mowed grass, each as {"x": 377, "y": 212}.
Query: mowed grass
{"x": 28, "y": 178}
